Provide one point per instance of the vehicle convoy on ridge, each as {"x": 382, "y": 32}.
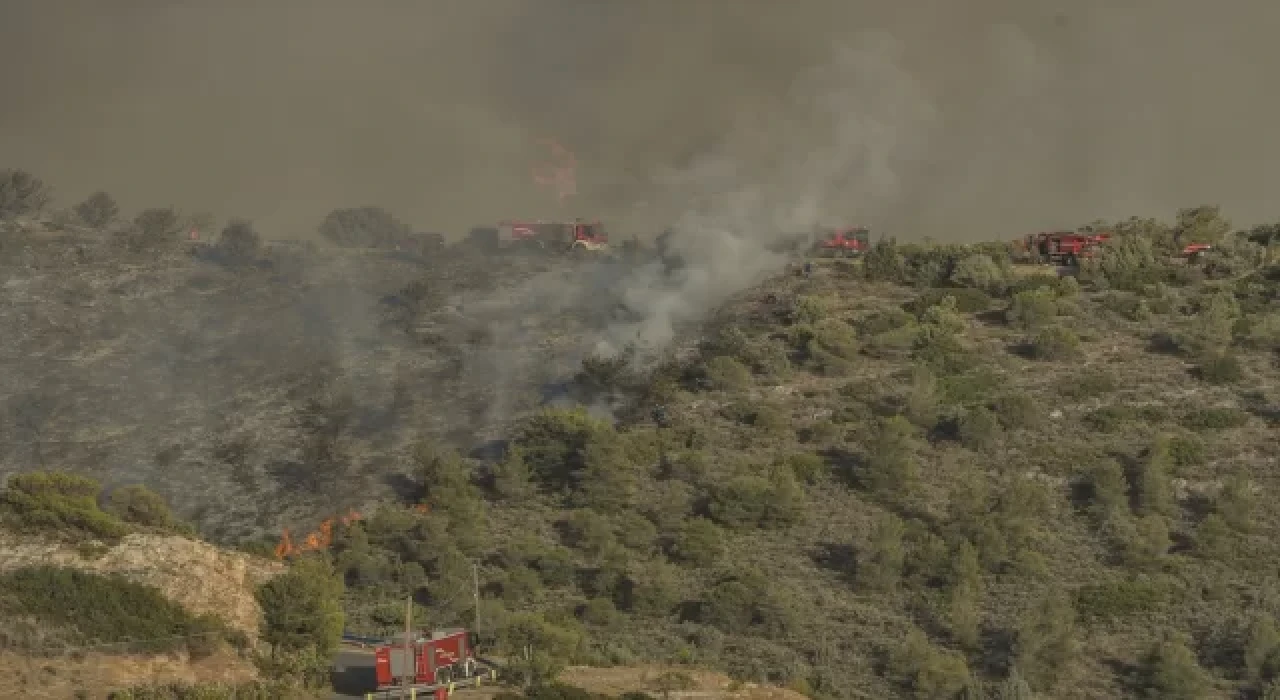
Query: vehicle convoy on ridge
{"x": 555, "y": 235}
{"x": 1068, "y": 248}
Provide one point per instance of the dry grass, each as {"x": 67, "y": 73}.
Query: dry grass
{"x": 96, "y": 675}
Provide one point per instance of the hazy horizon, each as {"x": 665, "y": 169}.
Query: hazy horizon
{"x": 1022, "y": 115}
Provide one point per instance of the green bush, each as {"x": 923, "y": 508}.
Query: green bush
{"x": 699, "y": 543}
{"x": 968, "y": 300}
{"x": 807, "y": 466}
{"x": 979, "y": 429}
{"x": 1033, "y": 309}
{"x": 1129, "y": 262}
{"x": 1215, "y": 418}
{"x": 754, "y": 501}
{"x": 1220, "y": 368}
{"x": 1127, "y": 305}
{"x": 1186, "y": 450}
{"x": 1087, "y": 384}
{"x": 22, "y": 193}
{"x": 1170, "y": 672}
{"x": 141, "y": 506}
{"x": 1119, "y": 599}
{"x": 302, "y": 608}
{"x": 98, "y": 211}
{"x": 152, "y": 229}
{"x": 363, "y": 227}
{"x": 743, "y": 603}
{"x": 979, "y": 271}
{"x": 105, "y": 610}
{"x": 727, "y": 374}
{"x": 886, "y": 320}
{"x": 1019, "y": 411}
{"x": 1055, "y": 343}
{"x": 58, "y": 502}
{"x": 810, "y": 309}
{"x": 555, "y": 443}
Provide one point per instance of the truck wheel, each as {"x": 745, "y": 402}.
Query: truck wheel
{"x": 1072, "y": 261}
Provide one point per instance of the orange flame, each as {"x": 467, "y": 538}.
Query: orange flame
{"x": 560, "y": 173}
{"x": 323, "y": 537}
{"x": 285, "y": 548}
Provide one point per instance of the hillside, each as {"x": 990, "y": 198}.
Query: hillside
{"x": 924, "y": 473}
{"x": 95, "y": 599}
{"x": 271, "y": 393}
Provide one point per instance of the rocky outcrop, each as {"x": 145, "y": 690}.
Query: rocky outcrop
{"x": 198, "y": 576}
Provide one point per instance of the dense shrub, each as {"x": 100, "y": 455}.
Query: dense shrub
{"x": 239, "y": 243}
{"x": 98, "y": 211}
{"x": 981, "y": 271}
{"x": 105, "y": 609}
{"x": 363, "y": 227}
{"x": 151, "y": 229}
{"x": 726, "y": 373}
{"x": 968, "y": 300}
{"x": 1055, "y": 343}
{"x": 1033, "y": 309}
{"x": 1119, "y": 599}
{"x": 22, "y": 194}
{"x": 58, "y": 502}
{"x": 302, "y": 608}
{"x": 1214, "y": 418}
{"x": 140, "y": 505}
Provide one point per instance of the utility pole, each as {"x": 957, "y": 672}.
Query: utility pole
{"x": 475, "y": 592}
{"x": 411, "y": 660}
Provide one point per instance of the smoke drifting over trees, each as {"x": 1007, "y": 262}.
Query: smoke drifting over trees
{"x": 282, "y": 112}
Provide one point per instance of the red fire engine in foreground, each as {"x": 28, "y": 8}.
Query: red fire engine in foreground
{"x": 575, "y": 235}
{"x": 443, "y": 658}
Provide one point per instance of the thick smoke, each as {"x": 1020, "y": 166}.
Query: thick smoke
{"x": 833, "y": 153}
{"x": 1047, "y": 113}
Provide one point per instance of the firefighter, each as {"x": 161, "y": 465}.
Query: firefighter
{"x": 808, "y": 269}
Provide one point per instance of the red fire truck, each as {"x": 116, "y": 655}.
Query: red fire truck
{"x": 845, "y": 241}
{"x": 443, "y": 658}
{"x": 1063, "y": 247}
{"x": 556, "y": 235}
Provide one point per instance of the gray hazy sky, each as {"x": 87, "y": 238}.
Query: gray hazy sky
{"x": 1029, "y": 114}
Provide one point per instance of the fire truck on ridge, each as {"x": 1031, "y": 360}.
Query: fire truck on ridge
{"x": 1063, "y": 247}
{"x": 555, "y": 235}
{"x": 850, "y": 241}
